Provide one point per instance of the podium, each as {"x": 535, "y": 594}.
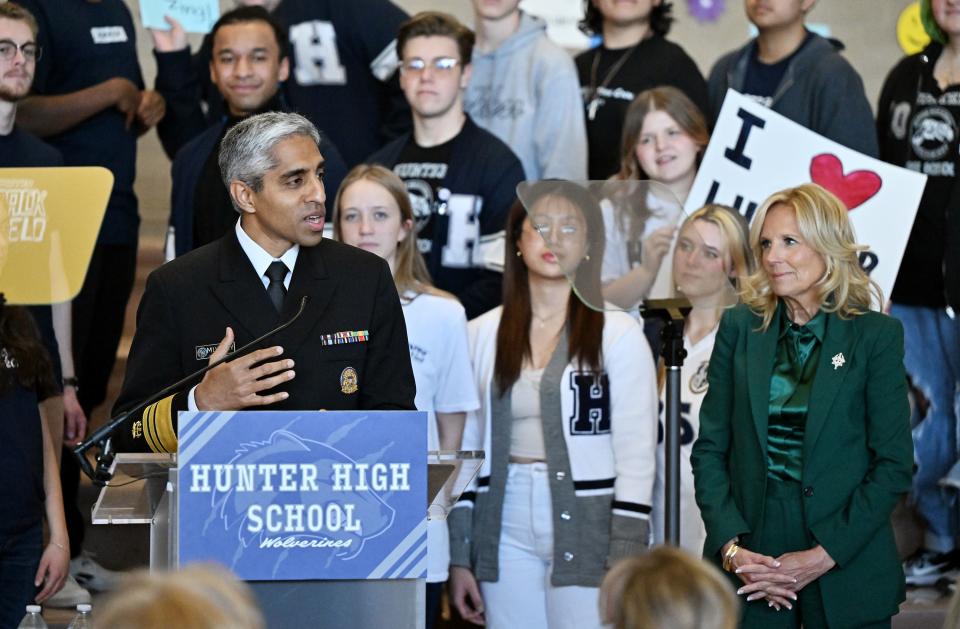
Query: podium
{"x": 375, "y": 578}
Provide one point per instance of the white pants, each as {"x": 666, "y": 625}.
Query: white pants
{"x": 524, "y": 597}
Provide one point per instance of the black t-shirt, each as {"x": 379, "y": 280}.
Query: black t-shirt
{"x": 84, "y": 44}
{"x": 342, "y": 71}
{"x": 22, "y": 495}
{"x": 763, "y": 79}
{"x": 932, "y": 132}
{"x": 19, "y": 149}
{"x": 423, "y": 170}
{"x": 654, "y": 62}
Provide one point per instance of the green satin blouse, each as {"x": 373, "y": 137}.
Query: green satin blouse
{"x": 795, "y": 365}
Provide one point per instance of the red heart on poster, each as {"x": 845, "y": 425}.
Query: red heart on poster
{"x": 853, "y": 188}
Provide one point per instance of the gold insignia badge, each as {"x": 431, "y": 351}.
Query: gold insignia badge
{"x": 348, "y": 381}
{"x": 137, "y": 429}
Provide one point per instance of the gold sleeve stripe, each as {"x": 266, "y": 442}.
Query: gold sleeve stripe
{"x": 164, "y": 424}
{"x": 148, "y": 427}
{"x": 158, "y": 426}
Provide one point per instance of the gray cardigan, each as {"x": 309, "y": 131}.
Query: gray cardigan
{"x": 582, "y": 552}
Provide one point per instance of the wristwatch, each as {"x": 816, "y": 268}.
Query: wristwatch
{"x": 72, "y": 381}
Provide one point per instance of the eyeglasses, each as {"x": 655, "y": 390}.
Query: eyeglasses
{"x": 417, "y": 65}
{"x": 8, "y": 50}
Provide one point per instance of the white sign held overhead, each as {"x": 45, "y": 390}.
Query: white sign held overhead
{"x": 755, "y": 152}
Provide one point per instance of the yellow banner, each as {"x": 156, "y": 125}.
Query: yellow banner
{"x": 49, "y": 221}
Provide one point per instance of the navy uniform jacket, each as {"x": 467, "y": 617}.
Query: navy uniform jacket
{"x": 190, "y": 301}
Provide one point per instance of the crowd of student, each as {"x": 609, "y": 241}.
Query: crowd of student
{"x": 427, "y": 129}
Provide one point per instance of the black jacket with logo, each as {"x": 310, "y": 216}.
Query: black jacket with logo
{"x": 918, "y": 125}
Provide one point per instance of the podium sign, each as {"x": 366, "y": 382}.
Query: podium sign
{"x": 294, "y": 495}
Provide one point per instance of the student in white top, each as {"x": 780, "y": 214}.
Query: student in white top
{"x": 712, "y": 253}
{"x": 664, "y": 136}
{"x": 568, "y": 422}
{"x": 372, "y": 211}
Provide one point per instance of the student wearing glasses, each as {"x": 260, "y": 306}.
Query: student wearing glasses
{"x": 461, "y": 179}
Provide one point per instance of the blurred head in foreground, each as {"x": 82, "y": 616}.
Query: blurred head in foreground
{"x": 197, "y": 597}
{"x": 667, "y": 587}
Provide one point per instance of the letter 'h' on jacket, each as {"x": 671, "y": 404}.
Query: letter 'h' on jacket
{"x": 600, "y": 435}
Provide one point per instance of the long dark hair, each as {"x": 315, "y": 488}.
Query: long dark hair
{"x": 23, "y": 358}
{"x": 584, "y": 324}
{"x": 660, "y": 18}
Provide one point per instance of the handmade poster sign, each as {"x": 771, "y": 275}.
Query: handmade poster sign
{"x": 196, "y": 16}
{"x": 755, "y": 152}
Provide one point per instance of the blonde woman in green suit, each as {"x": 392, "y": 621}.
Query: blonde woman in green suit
{"x": 804, "y": 445}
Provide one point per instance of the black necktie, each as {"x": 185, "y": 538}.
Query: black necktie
{"x": 276, "y": 272}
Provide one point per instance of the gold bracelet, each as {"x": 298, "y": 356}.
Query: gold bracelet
{"x": 728, "y": 556}
{"x": 60, "y": 546}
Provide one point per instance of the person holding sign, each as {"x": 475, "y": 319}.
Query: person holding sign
{"x": 804, "y": 446}
{"x": 712, "y": 254}
{"x": 373, "y": 212}
{"x": 346, "y": 350}
{"x": 249, "y": 62}
{"x": 797, "y": 74}
{"x": 568, "y": 422}
{"x": 918, "y": 118}
{"x": 664, "y": 136}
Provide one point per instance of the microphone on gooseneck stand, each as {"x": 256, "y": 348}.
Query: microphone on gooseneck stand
{"x": 101, "y": 437}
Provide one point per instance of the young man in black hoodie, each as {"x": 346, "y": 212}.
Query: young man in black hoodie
{"x": 918, "y": 121}
{"x": 798, "y": 74}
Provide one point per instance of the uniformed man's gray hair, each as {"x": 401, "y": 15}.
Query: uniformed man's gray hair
{"x": 246, "y": 153}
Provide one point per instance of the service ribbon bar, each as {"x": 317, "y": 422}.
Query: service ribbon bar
{"x": 349, "y": 336}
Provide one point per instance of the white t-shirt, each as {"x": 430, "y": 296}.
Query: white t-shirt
{"x": 693, "y": 388}
{"x": 621, "y": 254}
{"x": 437, "y": 334}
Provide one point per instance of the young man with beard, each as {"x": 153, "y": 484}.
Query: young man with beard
{"x": 634, "y": 56}
{"x": 248, "y": 65}
{"x": 462, "y": 180}
{"x": 798, "y": 74}
{"x": 524, "y": 89}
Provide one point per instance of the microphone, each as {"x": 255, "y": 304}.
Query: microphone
{"x": 103, "y": 434}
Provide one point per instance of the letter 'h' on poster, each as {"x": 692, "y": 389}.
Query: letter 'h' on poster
{"x": 196, "y": 16}
{"x": 755, "y": 152}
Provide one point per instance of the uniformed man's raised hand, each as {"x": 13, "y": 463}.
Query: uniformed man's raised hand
{"x": 237, "y": 384}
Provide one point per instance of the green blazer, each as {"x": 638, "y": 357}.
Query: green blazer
{"x": 857, "y": 452}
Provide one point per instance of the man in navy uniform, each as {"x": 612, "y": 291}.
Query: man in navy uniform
{"x": 214, "y": 299}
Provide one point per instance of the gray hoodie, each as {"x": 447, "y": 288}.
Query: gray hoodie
{"x": 820, "y": 90}
{"x": 526, "y": 92}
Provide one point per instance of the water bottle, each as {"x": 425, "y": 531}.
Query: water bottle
{"x": 82, "y": 619}
{"x": 33, "y": 619}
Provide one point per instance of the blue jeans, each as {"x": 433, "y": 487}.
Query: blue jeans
{"x": 932, "y": 360}
{"x": 19, "y": 560}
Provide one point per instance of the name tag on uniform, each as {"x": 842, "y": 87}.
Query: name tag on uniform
{"x": 204, "y": 351}
{"x": 108, "y": 34}
{"x": 350, "y": 336}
